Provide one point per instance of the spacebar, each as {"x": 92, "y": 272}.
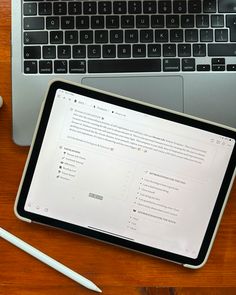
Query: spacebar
{"x": 124, "y": 65}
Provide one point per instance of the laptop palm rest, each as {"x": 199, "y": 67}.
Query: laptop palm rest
{"x": 162, "y": 91}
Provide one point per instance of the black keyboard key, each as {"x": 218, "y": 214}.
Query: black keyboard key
{"x": 79, "y": 51}
{"x": 194, "y": 6}
{"x": 218, "y": 61}
{"x": 45, "y": 8}
{"x": 86, "y": 37}
{"x": 33, "y": 23}
{"x": 60, "y": 67}
{"x": 74, "y": 8}
{"x": 119, "y": 7}
{"x": 231, "y": 23}
{"x": 60, "y": 8}
{"x": 202, "y": 21}
{"x": 150, "y": 7}
{"x": 49, "y": 52}
{"x": 157, "y": 21}
{"x": 176, "y": 35}
{"x": 125, "y": 65}
{"x": 218, "y": 68}
{"x": 221, "y": 35}
{"x": 209, "y": 6}
{"x": 142, "y": 21}
{"x": 217, "y": 21}
{"x": 161, "y": 36}
{"x": 171, "y": 65}
{"x": 146, "y": 36}
{"x": 231, "y": 67}
{"x": 172, "y": 21}
{"x": 191, "y": 35}
{"x": 30, "y": 67}
{"x": 112, "y": 22}
{"x": 187, "y": 21}
{"x": 227, "y": 6}
{"x": 188, "y": 64}
{"x": 36, "y": 37}
{"x": 71, "y": 37}
{"x": 30, "y": 9}
{"x": 67, "y": 22}
{"x": 221, "y": 49}
{"x": 139, "y": 50}
{"x": 169, "y": 50}
{"x": 104, "y": 7}
{"x": 77, "y": 66}
{"x": 109, "y": 51}
{"x": 180, "y": 6}
{"x": 116, "y": 36}
{"x": 203, "y": 68}
{"x": 90, "y": 7}
{"x": 154, "y": 50}
{"x": 124, "y": 51}
{"x": 206, "y": 35}
{"x": 56, "y": 37}
{"x": 164, "y": 6}
{"x": 64, "y": 51}
{"x": 127, "y": 21}
{"x": 101, "y": 36}
{"x": 82, "y": 22}
{"x": 184, "y": 50}
{"x": 131, "y": 36}
{"x": 45, "y": 66}
{"x": 52, "y": 23}
{"x": 94, "y": 51}
{"x": 32, "y": 52}
{"x": 97, "y": 22}
{"x": 199, "y": 50}
{"x": 134, "y": 7}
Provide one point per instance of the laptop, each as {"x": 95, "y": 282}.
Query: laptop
{"x": 128, "y": 173}
{"x": 175, "y": 54}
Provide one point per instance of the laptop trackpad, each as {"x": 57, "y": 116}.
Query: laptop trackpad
{"x": 163, "y": 91}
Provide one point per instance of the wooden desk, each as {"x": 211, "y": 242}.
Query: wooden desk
{"x": 114, "y": 270}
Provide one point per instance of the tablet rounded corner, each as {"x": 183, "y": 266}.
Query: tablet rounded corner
{"x": 19, "y": 216}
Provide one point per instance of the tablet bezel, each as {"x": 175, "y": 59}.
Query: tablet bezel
{"x": 145, "y": 108}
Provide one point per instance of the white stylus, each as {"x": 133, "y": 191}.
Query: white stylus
{"x": 48, "y": 260}
{"x": 1, "y": 101}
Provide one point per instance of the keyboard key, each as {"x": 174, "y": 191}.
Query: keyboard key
{"x": 79, "y": 51}
{"x": 101, "y": 36}
{"x": 90, "y": 7}
{"x": 209, "y": 6}
{"x": 77, "y": 66}
{"x": 150, "y": 7}
{"x": 180, "y": 6}
{"x": 45, "y": 66}
{"x": 82, "y": 22}
{"x": 172, "y": 21}
{"x": 221, "y": 49}
{"x": 45, "y": 8}
{"x": 124, "y": 51}
{"x": 56, "y": 37}
{"x": 169, "y": 50}
{"x": 119, "y": 7}
{"x": 127, "y": 21}
{"x": 60, "y": 67}
{"x": 126, "y": 65}
{"x": 104, "y": 7}
{"x": 131, "y": 36}
{"x": 199, "y": 50}
{"x": 184, "y": 50}
{"x": 161, "y": 35}
{"x": 59, "y": 8}
{"x": 64, "y": 51}
{"x": 74, "y": 8}
{"x": 30, "y": 9}
{"x": 188, "y": 64}
{"x": 94, "y": 51}
{"x": 109, "y": 51}
{"x": 231, "y": 67}
{"x": 202, "y": 21}
{"x": 164, "y": 6}
{"x": 30, "y": 67}
{"x": 49, "y": 52}
{"x": 157, "y": 21}
{"x": 217, "y": 21}
{"x": 221, "y": 35}
{"x": 71, "y": 37}
{"x": 97, "y": 22}
{"x": 112, "y": 22}
{"x": 116, "y": 36}
{"x": 139, "y": 50}
{"x": 206, "y": 35}
{"x": 36, "y": 37}
{"x": 218, "y": 61}
{"x": 52, "y": 23}
{"x": 142, "y": 21}
{"x": 231, "y": 23}
{"x": 171, "y": 65}
{"x": 203, "y": 68}
{"x": 194, "y": 6}
{"x": 33, "y": 23}
{"x": 154, "y": 50}
{"x": 187, "y": 21}
{"x": 86, "y": 37}
{"x": 134, "y": 7}
{"x": 218, "y": 68}
{"x": 191, "y": 35}
{"x": 176, "y": 35}
{"x": 146, "y": 36}
{"x": 227, "y": 5}
{"x": 67, "y": 22}
{"x": 32, "y": 52}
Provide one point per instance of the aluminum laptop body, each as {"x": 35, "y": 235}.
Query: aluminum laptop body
{"x": 156, "y": 68}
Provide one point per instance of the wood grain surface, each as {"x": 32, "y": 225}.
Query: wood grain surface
{"x": 114, "y": 270}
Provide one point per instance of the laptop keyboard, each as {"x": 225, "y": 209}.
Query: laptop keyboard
{"x": 77, "y": 37}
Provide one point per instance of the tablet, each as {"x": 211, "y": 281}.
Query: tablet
{"x": 127, "y": 173}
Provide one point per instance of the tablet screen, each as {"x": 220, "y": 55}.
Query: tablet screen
{"x": 128, "y": 174}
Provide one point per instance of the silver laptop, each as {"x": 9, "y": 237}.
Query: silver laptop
{"x": 175, "y": 54}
